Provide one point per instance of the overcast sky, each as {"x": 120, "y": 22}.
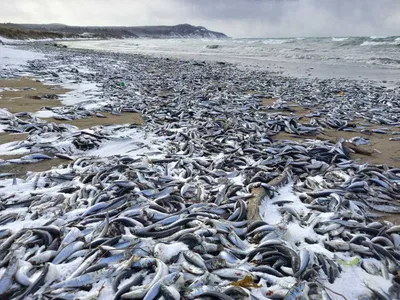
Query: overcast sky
{"x": 236, "y": 18}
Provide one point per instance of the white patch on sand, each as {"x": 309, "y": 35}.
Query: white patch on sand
{"x": 131, "y": 142}
{"x": 238, "y": 180}
{"x": 270, "y": 212}
{"x": 82, "y": 92}
{"x": 2, "y": 127}
{"x": 12, "y": 57}
{"x": 11, "y": 149}
{"x": 45, "y": 114}
{"x": 166, "y": 251}
{"x": 353, "y": 281}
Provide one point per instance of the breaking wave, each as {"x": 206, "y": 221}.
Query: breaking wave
{"x": 276, "y": 41}
{"x": 339, "y": 39}
{"x": 377, "y": 37}
{"x": 377, "y": 50}
{"x": 385, "y": 60}
{"x": 371, "y": 43}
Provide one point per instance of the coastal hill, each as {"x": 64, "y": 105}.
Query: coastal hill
{"x": 36, "y": 31}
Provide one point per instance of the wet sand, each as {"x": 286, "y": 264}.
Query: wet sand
{"x": 110, "y": 119}
{"x": 27, "y": 95}
{"x": 380, "y": 151}
{"x": 21, "y": 169}
{"x": 26, "y": 98}
{"x": 30, "y": 95}
{"x": 11, "y": 137}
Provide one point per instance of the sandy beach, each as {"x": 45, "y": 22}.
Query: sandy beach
{"x": 182, "y": 150}
{"x": 31, "y": 95}
{"x": 115, "y": 143}
{"x": 379, "y": 151}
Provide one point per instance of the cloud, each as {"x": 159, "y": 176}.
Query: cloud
{"x": 238, "y": 18}
{"x": 300, "y": 17}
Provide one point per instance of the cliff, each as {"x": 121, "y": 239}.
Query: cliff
{"x": 38, "y": 31}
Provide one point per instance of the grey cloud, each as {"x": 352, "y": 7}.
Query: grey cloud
{"x": 301, "y": 17}
{"x": 238, "y": 18}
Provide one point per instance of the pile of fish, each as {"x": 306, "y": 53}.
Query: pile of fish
{"x": 176, "y": 222}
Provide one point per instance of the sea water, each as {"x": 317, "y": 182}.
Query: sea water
{"x": 375, "y": 58}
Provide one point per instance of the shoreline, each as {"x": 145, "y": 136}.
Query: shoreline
{"x": 212, "y": 134}
{"x": 361, "y": 153}
{"x": 301, "y": 68}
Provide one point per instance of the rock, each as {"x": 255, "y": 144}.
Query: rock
{"x": 2, "y": 43}
{"x": 212, "y": 46}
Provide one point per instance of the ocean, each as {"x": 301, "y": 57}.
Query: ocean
{"x": 374, "y": 57}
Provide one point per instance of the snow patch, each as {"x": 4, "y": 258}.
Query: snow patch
{"x": 12, "y": 57}
{"x": 82, "y": 92}
{"x": 166, "y": 252}
{"x": 45, "y": 114}
{"x": 353, "y": 282}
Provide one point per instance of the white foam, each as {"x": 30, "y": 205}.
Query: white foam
{"x": 377, "y": 37}
{"x": 368, "y": 43}
{"x": 275, "y": 41}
